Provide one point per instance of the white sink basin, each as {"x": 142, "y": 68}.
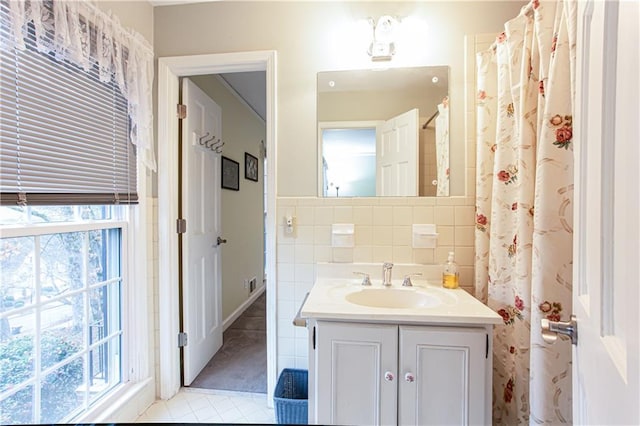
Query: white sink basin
{"x": 393, "y": 298}
{"x": 423, "y": 303}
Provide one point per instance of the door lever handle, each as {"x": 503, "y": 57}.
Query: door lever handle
{"x": 551, "y": 329}
{"x": 221, "y": 241}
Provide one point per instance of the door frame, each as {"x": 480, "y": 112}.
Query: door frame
{"x": 169, "y": 71}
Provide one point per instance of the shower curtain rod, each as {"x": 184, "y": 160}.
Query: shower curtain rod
{"x": 527, "y": 10}
{"x": 435, "y": 114}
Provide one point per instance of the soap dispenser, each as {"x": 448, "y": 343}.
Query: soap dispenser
{"x": 450, "y": 273}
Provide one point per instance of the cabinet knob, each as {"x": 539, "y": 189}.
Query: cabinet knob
{"x": 388, "y": 376}
{"x": 409, "y": 377}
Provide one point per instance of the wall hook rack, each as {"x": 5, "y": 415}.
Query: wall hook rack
{"x": 213, "y": 143}
{"x": 218, "y": 148}
{"x": 207, "y": 142}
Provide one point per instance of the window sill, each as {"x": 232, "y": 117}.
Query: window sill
{"x": 123, "y": 405}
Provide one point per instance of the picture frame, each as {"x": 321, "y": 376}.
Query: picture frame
{"x": 250, "y": 167}
{"x": 230, "y": 174}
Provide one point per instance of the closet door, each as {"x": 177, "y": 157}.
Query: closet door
{"x": 442, "y": 376}
{"x": 201, "y": 272}
{"x": 356, "y": 374}
{"x": 397, "y": 156}
{"x": 606, "y": 276}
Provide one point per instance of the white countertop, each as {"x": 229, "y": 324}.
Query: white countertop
{"x": 328, "y": 300}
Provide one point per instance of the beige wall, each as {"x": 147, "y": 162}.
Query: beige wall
{"x": 319, "y": 36}
{"x": 135, "y": 15}
{"x": 242, "y": 211}
{"x": 316, "y": 36}
{"x": 375, "y": 105}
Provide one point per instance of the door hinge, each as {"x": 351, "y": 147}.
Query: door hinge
{"x": 182, "y": 339}
{"x": 314, "y": 338}
{"x": 181, "y": 226}
{"x": 182, "y": 111}
{"x": 486, "y": 350}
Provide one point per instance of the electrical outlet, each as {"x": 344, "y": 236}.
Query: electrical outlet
{"x": 252, "y": 284}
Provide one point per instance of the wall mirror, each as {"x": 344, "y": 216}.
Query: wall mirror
{"x": 383, "y": 132}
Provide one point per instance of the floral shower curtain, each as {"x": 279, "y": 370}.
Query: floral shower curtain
{"x": 524, "y": 208}
{"x": 442, "y": 148}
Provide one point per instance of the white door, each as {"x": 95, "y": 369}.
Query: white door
{"x": 356, "y": 374}
{"x": 397, "y": 156}
{"x": 201, "y": 274}
{"x": 442, "y": 376}
{"x": 606, "y": 361}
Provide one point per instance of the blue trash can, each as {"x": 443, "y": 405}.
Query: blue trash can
{"x": 291, "y": 400}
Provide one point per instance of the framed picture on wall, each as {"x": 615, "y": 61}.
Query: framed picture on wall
{"x": 250, "y": 167}
{"x": 230, "y": 174}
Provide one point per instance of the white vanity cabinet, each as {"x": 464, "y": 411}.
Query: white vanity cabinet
{"x": 388, "y": 374}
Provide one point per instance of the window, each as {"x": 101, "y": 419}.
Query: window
{"x": 349, "y": 161}
{"x": 61, "y": 315}
{"x": 64, "y": 134}
{"x": 68, "y": 164}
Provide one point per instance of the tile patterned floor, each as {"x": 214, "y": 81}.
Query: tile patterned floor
{"x": 207, "y": 406}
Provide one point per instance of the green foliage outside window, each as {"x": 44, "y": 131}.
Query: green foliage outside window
{"x": 58, "y": 389}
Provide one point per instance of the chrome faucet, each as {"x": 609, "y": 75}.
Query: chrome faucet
{"x": 366, "y": 281}
{"x": 386, "y": 273}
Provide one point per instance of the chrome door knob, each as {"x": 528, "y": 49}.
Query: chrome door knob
{"x": 551, "y": 329}
{"x": 409, "y": 378}
{"x": 388, "y": 376}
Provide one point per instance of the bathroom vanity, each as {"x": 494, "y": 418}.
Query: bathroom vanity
{"x": 387, "y": 355}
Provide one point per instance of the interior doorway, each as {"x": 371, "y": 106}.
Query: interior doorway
{"x": 224, "y": 126}
{"x": 169, "y": 71}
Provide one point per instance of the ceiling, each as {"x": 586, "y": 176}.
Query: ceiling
{"x": 252, "y": 88}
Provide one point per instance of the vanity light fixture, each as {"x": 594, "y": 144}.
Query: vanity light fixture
{"x": 382, "y": 46}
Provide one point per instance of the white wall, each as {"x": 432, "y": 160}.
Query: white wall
{"x": 319, "y": 36}
{"x": 242, "y": 211}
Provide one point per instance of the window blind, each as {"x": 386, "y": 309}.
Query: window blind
{"x": 64, "y": 134}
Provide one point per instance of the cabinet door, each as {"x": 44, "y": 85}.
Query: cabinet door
{"x": 442, "y": 376}
{"x": 352, "y": 360}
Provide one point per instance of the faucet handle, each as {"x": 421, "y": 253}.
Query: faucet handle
{"x": 365, "y": 280}
{"x": 407, "y": 279}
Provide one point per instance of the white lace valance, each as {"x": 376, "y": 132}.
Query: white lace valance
{"x": 82, "y": 34}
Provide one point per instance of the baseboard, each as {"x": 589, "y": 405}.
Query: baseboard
{"x": 234, "y": 316}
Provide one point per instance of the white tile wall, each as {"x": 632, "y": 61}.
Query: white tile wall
{"x": 152, "y": 274}
{"x": 382, "y": 233}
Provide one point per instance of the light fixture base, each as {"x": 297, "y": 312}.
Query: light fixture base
{"x": 381, "y": 51}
